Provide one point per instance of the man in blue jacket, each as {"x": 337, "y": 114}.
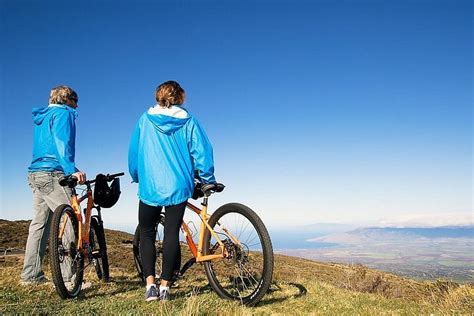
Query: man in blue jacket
{"x": 53, "y": 157}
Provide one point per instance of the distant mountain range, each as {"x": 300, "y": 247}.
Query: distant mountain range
{"x": 433, "y": 232}
{"x": 371, "y": 234}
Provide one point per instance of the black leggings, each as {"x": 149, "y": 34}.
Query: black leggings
{"x": 148, "y": 217}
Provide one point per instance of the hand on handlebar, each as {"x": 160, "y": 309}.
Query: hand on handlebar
{"x": 81, "y": 176}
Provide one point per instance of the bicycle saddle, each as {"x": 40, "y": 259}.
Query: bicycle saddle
{"x": 209, "y": 188}
{"x": 69, "y": 181}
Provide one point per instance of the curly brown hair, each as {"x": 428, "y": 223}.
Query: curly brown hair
{"x": 169, "y": 93}
{"x": 61, "y": 94}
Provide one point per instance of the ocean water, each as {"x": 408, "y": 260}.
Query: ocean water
{"x": 296, "y": 240}
{"x": 281, "y": 240}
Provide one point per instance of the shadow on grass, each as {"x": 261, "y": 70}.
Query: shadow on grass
{"x": 265, "y": 301}
{"x": 184, "y": 289}
{"x": 302, "y": 291}
{"x": 123, "y": 284}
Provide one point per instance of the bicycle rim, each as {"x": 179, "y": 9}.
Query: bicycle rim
{"x": 67, "y": 263}
{"x": 245, "y": 273}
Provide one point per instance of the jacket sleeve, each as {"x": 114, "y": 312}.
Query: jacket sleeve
{"x": 63, "y": 131}
{"x": 133, "y": 153}
{"x": 201, "y": 153}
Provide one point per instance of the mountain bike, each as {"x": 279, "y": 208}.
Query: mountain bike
{"x": 234, "y": 246}
{"x": 75, "y": 238}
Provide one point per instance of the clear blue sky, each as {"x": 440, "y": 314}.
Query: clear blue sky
{"x": 318, "y": 111}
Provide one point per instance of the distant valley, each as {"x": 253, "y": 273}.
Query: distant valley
{"x": 424, "y": 253}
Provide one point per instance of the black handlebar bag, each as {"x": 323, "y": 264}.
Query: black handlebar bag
{"x": 106, "y": 195}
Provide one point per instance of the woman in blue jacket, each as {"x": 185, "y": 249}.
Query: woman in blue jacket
{"x": 167, "y": 145}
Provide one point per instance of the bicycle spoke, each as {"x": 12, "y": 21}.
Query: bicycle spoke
{"x": 247, "y": 241}
{"x": 236, "y": 286}
{"x": 246, "y": 226}
{"x": 251, "y": 275}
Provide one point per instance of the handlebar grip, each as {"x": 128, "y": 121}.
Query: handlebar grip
{"x": 112, "y": 176}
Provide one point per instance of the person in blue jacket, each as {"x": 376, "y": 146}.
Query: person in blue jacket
{"x": 53, "y": 157}
{"x": 167, "y": 145}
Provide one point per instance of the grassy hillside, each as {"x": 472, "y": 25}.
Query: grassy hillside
{"x": 300, "y": 286}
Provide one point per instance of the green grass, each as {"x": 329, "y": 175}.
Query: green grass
{"x": 300, "y": 287}
{"x": 300, "y": 294}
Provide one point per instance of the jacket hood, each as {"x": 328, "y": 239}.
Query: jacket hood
{"x": 40, "y": 113}
{"x": 166, "y": 124}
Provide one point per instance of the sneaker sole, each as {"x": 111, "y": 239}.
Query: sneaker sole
{"x": 151, "y": 299}
{"x": 35, "y": 283}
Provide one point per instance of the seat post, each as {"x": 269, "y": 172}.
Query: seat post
{"x": 204, "y": 201}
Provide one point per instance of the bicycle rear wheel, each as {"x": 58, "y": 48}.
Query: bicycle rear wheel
{"x": 67, "y": 262}
{"x": 245, "y": 274}
{"x": 99, "y": 250}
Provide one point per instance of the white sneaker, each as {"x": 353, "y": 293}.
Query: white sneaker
{"x": 151, "y": 294}
{"x": 86, "y": 285}
{"x": 35, "y": 282}
{"x": 70, "y": 285}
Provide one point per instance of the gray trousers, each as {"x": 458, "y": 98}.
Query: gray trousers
{"x": 47, "y": 196}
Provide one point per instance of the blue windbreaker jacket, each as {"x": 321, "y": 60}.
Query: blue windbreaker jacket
{"x": 54, "y": 139}
{"x": 163, "y": 154}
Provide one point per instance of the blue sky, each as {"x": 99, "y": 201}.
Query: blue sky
{"x": 318, "y": 111}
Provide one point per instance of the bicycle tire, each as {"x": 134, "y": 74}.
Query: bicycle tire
{"x": 66, "y": 261}
{"x": 99, "y": 250}
{"x": 252, "y": 264}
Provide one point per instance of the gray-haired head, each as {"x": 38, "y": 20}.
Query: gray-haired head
{"x": 61, "y": 95}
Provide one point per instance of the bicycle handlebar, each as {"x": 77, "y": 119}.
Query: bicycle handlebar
{"x": 110, "y": 177}
{"x": 71, "y": 181}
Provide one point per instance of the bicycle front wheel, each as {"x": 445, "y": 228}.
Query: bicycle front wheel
{"x": 99, "y": 250}
{"x": 67, "y": 262}
{"x": 245, "y": 273}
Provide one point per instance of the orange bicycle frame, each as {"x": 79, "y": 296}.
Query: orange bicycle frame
{"x": 197, "y": 250}
{"x": 76, "y": 206}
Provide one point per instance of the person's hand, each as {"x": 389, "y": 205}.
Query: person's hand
{"x": 81, "y": 176}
